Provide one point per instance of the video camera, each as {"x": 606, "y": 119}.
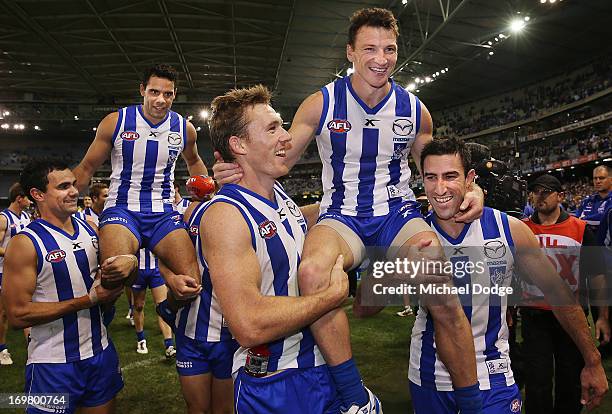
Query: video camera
{"x": 503, "y": 191}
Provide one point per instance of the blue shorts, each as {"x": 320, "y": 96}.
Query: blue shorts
{"x": 148, "y": 278}
{"x": 380, "y": 230}
{"x": 149, "y": 228}
{"x": 0, "y": 281}
{"x": 295, "y": 391}
{"x": 89, "y": 383}
{"x": 194, "y": 357}
{"x": 503, "y": 400}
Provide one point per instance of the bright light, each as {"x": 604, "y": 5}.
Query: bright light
{"x": 204, "y": 114}
{"x": 418, "y": 80}
{"x": 542, "y": 1}
{"x": 607, "y": 159}
{"x": 350, "y": 71}
{"x": 190, "y": 117}
{"x": 442, "y": 71}
{"x": 446, "y": 69}
{"x": 198, "y": 128}
{"x": 596, "y": 162}
{"x": 94, "y": 129}
{"x": 404, "y": 2}
{"x": 502, "y": 36}
{"x": 526, "y": 18}
{"x": 5, "y": 126}
{"x": 517, "y": 25}
{"x": 418, "y": 90}
{"x": 76, "y": 117}
{"x": 411, "y": 86}
{"x": 572, "y": 167}
{"x": 552, "y": 1}
{"x": 437, "y": 73}
{"x": 6, "y": 113}
{"x": 490, "y": 43}
{"x": 36, "y": 127}
{"x": 497, "y": 39}
{"x": 427, "y": 79}
{"x": 491, "y": 53}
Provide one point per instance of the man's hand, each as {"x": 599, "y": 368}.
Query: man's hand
{"x": 472, "y": 206}
{"x": 98, "y": 294}
{"x": 428, "y": 272}
{"x": 338, "y": 282}
{"x": 594, "y": 385}
{"x": 602, "y": 330}
{"x": 118, "y": 268}
{"x": 225, "y": 172}
{"x": 183, "y": 287}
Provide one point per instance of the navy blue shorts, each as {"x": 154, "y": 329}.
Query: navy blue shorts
{"x": 89, "y": 383}
{"x": 295, "y": 391}
{"x": 148, "y": 278}
{"x": 194, "y": 357}
{"x": 149, "y": 228}
{"x": 502, "y": 400}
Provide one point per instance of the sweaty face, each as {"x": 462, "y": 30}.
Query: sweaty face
{"x": 267, "y": 141}
{"x": 373, "y": 55}
{"x": 445, "y": 183}
{"x": 158, "y": 97}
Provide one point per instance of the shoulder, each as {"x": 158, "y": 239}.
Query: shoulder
{"x": 311, "y": 107}
{"x": 225, "y": 224}
{"x": 521, "y": 233}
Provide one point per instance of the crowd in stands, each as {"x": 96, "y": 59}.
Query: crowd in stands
{"x": 525, "y": 103}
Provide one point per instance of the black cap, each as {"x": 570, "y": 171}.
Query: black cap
{"x": 547, "y": 182}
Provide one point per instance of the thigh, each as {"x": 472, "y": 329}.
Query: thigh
{"x": 335, "y": 234}
{"x": 222, "y": 396}
{"x": 402, "y": 225}
{"x": 159, "y": 292}
{"x": 196, "y": 391}
{"x": 119, "y": 233}
{"x": 176, "y": 251}
{"x": 139, "y": 297}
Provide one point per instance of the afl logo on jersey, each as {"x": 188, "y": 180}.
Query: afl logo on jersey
{"x": 130, "y": 135}
{"x": 339, "y": 126}
{"x": 402, "y": 127}
{"x": 267, "y": 229}
{"x": 55, "y": 256}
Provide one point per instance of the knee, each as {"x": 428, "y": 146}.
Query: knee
{"x": 138, "y": 307}
{"x": 312, "y": 276}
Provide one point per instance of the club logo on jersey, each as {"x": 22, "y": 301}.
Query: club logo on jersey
{"x": 494, "y": 249}
{"x": 400, "y": 151}
{"x": 515, "y": 405}
{"x": 267, "y": 229}
{"x": 339, "y": 126}
{"x": 402, "y": 127}
{"x": 498, "y": 274}
{"x": 55, "y": 256}
{"x": 130, "y": 135}
{"x": 175, "y": 139}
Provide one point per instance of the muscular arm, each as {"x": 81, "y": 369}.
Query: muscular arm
{"x": 195, "y": 165}
{"x": 310, "y": 212}
{"x": 19, "y": 283}
{"x": 235, "y": 272}
{"x": 3, "y": 229}
{"x": 423, "y": 137}
{"x": 304, "y": 126}
{"x": 97, "y": 153}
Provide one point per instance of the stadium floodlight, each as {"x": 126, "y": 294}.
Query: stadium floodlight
{"x": 190, "y": 117}
{"x": 418, "y": 80}
{"x": 198, "y": 128}
{"x": 517, "y": 25}
{"x": 404, "y": 2}
{"x": 204, "y": 114}
{"x": 36, "y": 127}
{"x": 526, "y": 18}
{"x": 6, "y": 113}
{"x": 76, "y": 117}
{"x": 427, "y": 79}
{"x": 5, "y": 126}
{"x": 491, "y": 53}
{"x": 94, "y": 129}
{"x": 411, "y": 86}
{"x": 543, "y": 1}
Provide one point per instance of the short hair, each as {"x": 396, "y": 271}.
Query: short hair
{"x": 606, "y": 167}
{"x": 229, "y": 116}
{"x": 177, "y": 186}
{"x": 96, "y": 189}
{"x": 35, "y": 173}
{"x": 15, "y": 191}
{"x": 161, "y": 71}
{"x": 373, "y": 17}
{"x": 447, "y": 146}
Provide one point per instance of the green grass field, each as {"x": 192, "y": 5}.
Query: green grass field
{"x": 380, "y": 345}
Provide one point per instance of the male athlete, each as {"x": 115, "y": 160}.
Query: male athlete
{"x": 144, "y": 142}
{"x": 484, "y": 252}
{"x": 180, "y": 203}
{"x": 12, "y": 220}
{"x": 98, "y": 194}
{"x": 365, "y": 126}
{"x": 52, "y": 284}
{"x": 251, "y": 236}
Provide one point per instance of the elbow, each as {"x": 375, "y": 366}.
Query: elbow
{"x": 247, "y": 332}
{"x": 16, "y": 321}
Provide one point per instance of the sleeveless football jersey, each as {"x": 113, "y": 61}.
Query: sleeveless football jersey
{"x": 487, "y": 241}
{"x": 14, "y": 225}
{"x": 67, "y": 266}
{"x": 365, "y": 150}
{"x": 143, "y": 158}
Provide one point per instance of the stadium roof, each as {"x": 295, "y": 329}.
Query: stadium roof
{"x": 92, "y": 51}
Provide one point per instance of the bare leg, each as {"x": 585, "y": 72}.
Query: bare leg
{"x": 197, "y": 392}
{"x": 222, "y": 396}
{"x": 139, "y": 303}
{"x": 3, "y": 322}
{"x": 106, "y": 408}
{"x": 115, "y": 240}
{"x": 159, "y": 294}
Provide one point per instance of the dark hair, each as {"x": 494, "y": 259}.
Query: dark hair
{"x": 373, "y": 17}
{"x": 228, "y": 116}
{"x": 16, "y": 191}
{"x": 36, "y": 173}
{"x": 161, "y": 71}
{"x": 96, "y": 189}
{"x": 447, "y": 146}
{"x": 177, "y": 185}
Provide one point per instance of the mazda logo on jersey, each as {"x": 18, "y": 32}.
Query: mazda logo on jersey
{"x": 94, "y": 242}
{"x": 267, "y": 229}
{"x": 494, "y": 249}
{"x": 130, "y": 135}
{"x": 339, "y": 126}
{"x": 295, "y": 210}
{"x": 402, "y": 127}
{"x": 175, "y": 139}
{"x": 55, "y": 256}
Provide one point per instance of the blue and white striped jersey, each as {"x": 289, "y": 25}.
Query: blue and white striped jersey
{"x": 202, "y": 319}
{"x": 147, "y": 260}
{"x": 277, "y": 230}
{"x": 486, "y": 241}
{"x": 143, "y": 159}
{"x": 67, "y": 266}
{"x": 365, "y": 150}
{"x": 182, "y": 205}
{"x": 88, "y": 214}
{"x": 14, "y": 224}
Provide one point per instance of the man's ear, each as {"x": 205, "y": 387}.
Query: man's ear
{"x": 469, "y": 178}
{"x": 349, "y": 53}
{"x": 36, "y": 194}
{"x": 142, "y": 90}
{"x": 236, "y": 145}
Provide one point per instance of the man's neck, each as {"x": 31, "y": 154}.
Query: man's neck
{"x": 149, "y": 118}
{"x": 64, "y": 223}
{"x": 14, "y": 207}
{"x": 264, "y": 186}
{"x": 603, "y": 193}
{"x": 368, "y": 94}
{"x": 546, "y": 219}
{"x": 95, "y": 210}
{"x": 450, "y": 226}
